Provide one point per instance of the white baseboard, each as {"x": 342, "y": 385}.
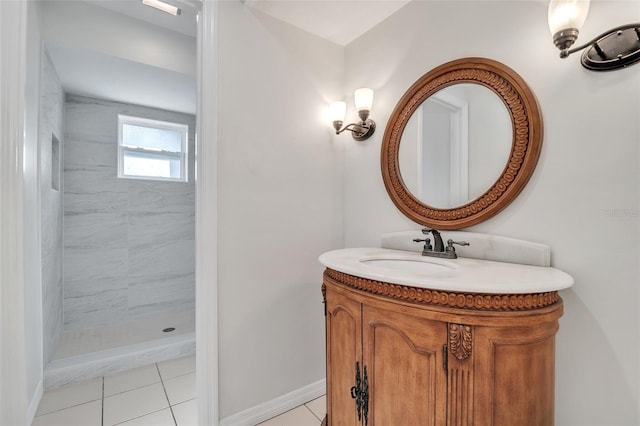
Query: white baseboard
{"x": 276, "y": 406}
{"x": 35, "y": 402}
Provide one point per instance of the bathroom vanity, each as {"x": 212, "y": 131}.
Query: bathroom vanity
{"x": 413, "y": 338}
{"x": 439, "y": 342}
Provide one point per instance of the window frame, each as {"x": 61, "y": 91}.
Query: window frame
{"x": 183, "y": 155}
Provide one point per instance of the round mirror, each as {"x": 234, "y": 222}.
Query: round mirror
{"x": 461, "y": 144}
{"x": 455, "y": 145}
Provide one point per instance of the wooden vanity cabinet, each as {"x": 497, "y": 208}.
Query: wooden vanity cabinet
{"x": 412, "y": 356}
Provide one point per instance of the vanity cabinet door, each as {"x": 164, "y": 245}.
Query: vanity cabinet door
{"x": 344, "y": 350}
{"x": 515, "y": 371}
{"x": 403, "y": 357}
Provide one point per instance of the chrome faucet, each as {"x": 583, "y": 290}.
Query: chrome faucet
{"x": 438, "y": 249}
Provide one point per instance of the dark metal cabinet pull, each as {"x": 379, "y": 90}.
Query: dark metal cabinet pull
{"x": 356, "y": 392}
{"x": 365, "y": 397}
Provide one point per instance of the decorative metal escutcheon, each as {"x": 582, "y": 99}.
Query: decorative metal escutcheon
{"x": 356, "y": 392}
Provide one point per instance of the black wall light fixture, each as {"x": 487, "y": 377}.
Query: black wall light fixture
{"x": 363, "y": 129}
{"x": 611, "y": 50}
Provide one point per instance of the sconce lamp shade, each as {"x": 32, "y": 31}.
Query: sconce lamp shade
{"x": 567, "y": 14}
{"x": 337, "y": 111}
{"x": 364, "y": 99}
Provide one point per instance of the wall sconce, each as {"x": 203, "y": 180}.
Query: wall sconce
{"x": 361, "y": 130}
{"x": 611, "y": 50}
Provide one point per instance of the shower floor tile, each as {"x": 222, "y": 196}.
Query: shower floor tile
{"x": 80, "y": 342}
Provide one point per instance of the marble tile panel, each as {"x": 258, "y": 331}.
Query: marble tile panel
{"x": 51, "y": 224}
{"x": 157, "y": 114}
{"x": 91, "y": 120}
{"x": 93, "y": 365}
{"x": 94, "y": 188}
{"x": 162, "y": 259}
{"x": 93, "y": 264}
{"x": 52, "y": 95}
{"x": 95, "y": 202}
{"x": 95, "y": 230}
{"x": 83, "y": 178}
{"x": 52, "y": 314}
{"x": 150, "y": 227}
{"x": 149, "y": 297}
{"x": 94, "y": 287}
{"x": 92, "y": 304}
{"x": 152, "y": 309}
{"x": 166, "y": 197}
{"x": 81, "y": 152}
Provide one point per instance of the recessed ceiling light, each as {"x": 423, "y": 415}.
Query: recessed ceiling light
{"x": 165, "y": 7}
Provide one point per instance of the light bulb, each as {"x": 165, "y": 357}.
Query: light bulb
{"x": 364, "y": 99}
{"x": 337, "y": 110}
{"x": 567, "y": 14}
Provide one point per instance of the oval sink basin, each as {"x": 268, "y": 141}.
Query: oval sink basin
{"x": 418, "y": 265}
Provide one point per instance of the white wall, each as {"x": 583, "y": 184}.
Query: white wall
{"x": 583, "y": 199}
{"x": 279, "y": 204}
{"x": 32, "y": 254}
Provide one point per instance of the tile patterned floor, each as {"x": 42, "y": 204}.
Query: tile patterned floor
{"x": 309, "y": 414}
{"x": 156, "y": 395}
{"x": 162, "y": 394}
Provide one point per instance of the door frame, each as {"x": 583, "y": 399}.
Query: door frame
{"x": 13, "y": 32}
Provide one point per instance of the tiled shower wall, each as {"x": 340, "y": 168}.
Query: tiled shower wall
{"x": 50, "y": 129}
{"x": 129, "y": 244}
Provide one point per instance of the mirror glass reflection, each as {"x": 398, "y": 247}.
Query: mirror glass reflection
{"x": 455, "y": 145}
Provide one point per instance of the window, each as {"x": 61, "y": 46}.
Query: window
{"x": 151, "y": 149}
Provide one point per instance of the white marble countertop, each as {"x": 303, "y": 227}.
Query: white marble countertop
{"x": 457, "y": 275}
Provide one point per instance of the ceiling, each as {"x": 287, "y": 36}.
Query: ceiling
{"x": 90, "y": 73}
{"x": 184, "y": 23}
{"x": 339, "y": 21}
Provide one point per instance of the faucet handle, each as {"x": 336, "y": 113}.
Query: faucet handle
{"x": 450, "y": 244}
{"x": 427, "y": 243}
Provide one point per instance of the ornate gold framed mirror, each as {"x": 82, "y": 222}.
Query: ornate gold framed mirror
{"x": 450, "y": 157}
